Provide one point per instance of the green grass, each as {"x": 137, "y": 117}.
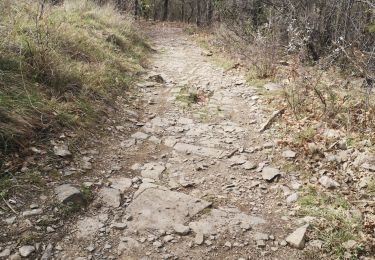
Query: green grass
{"x": 371, "y": 187}
{"x": 186, "y": 97}
{"x": 191, "y": 29}
{"x": 59, "y": 67}
{"x": 305, "y": 135}
{"x": 336, "y": 223}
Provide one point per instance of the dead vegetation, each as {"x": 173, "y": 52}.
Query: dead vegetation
{"x": 60, "y": 65}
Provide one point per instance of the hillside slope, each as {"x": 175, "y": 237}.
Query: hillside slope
{"x": 59, "y": 65}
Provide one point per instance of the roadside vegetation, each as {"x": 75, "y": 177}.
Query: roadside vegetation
{"x": 60, "y": 66}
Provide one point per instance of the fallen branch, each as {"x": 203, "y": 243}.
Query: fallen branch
{"x": 271, "y": 120}
{"x": 9, "y": 206}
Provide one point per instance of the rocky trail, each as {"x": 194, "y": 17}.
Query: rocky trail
{"x": 185, "y": 174}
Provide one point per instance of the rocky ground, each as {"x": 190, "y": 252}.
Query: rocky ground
{"x": 183, "y": 173}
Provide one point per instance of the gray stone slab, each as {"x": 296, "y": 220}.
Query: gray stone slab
{"x": 159, "y": 209}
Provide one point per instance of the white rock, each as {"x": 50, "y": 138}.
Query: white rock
{"x": 122, "y": 184}
{"x": 153, "y": 170}
{"x": 297, "y": 238}
{"x": 157, "y": 244}
{"x": 249, "y": 166}
{"x": 168, "y": 238}
{"x": 269, "y": 173}
{"x": 350, "y": 244}
{"x": 199, "y": 239}
{"x": 5, "y": 253}
{"x": 328, "y": 182}
{"x": 68, "y": 193}
{"x": 119, "y": 226}
{"x": 111, "y": 197}
{"x": 292, "y": 198}
{"x": 261, "y": 236}
{"x": 181, "y": 229}
{"x": 289, "y": 154}
{"x": 140, "y": 136}
{"x": 25, "y": 251}
{"x": 61, "y": 150}
{"x": 10, "y": 220}
{"x": 47, "y": 253}
{"x": 50, "y": 230}
{"x": 32, "y": 212}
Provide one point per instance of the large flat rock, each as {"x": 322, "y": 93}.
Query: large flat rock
{"x": 223, "y": 220}
{"x": 198, "y": 150}
{"x": 159, "y": 209}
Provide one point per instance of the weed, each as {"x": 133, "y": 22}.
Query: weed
{"x": 28, "y": 238}
{"x": 188, "y": 98}
{"x": 68, "y": 209}
{"x": 5, "y": 183}
{"x": 337, "y": 222}
{"x": 87, "y": 193}
{"x": 305, "y": 135}
{"x": 371, "y": 187}
{"x": 191, "y": 29}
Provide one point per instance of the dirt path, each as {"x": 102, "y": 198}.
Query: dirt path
{"x": 190, "y": 182}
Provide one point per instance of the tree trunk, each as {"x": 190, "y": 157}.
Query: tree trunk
{"x": 199, "y": 11}
{"x": 136, "y": 8}
{"x": 165, "y": 14}
{"x": 210, "y": 12}
{"x": 191, "y": 12}
{"x": 183, "y": 11}
{"x": 155, "y": 10}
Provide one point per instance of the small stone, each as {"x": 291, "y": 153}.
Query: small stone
{"x": 157, "y": 244}
{"x": 261, "y": 236}
{"x": 199, "y": 238}
{"x": 119, "y": 226}
{"x": 61, "y": 150}
{"x": 328, "y": 182}
{"x": 313, "y": 148}
{"x": 5, "y": 253}
{"x": 110, "y": 197}
{"x": 34, "y": 206}
{"x": 272, "y": 86}
{"x": 350, "y": 244}
{"x": 50, "y": 230}
{"x": 67, "y": 193}
{"x": 25, "y": 251}
{"x": 283, "y": 243}
{"x": 10, "y": 220}
{"x": 15, "y": 256}
{"x": 261, "y": 243}
{"x": 33, "y": 212}
{"x": 295, "y": 185}
{"x": 363, "y": 183}
{"x": 140, "y": 136}
{"x": 122, "y": 184}
{"x": 228, "y": 244}
{"x": 292, "y": 198}
{"x": 245, "y": 225}
{"x": 316, "y": 243}
{"x": 269, "y": 173}
{"x": 297, "y": 238}
{"x": 289, "y": 154}
{"x": 181, "y": 229}
{"x": 107, "y": 246}
{"x": 249, "y": 166}
{"x": 168, "y": 238}
{"x": 47, "y": 253}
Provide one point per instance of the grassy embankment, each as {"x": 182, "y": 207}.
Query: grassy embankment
{"x": 60, "y": 66}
